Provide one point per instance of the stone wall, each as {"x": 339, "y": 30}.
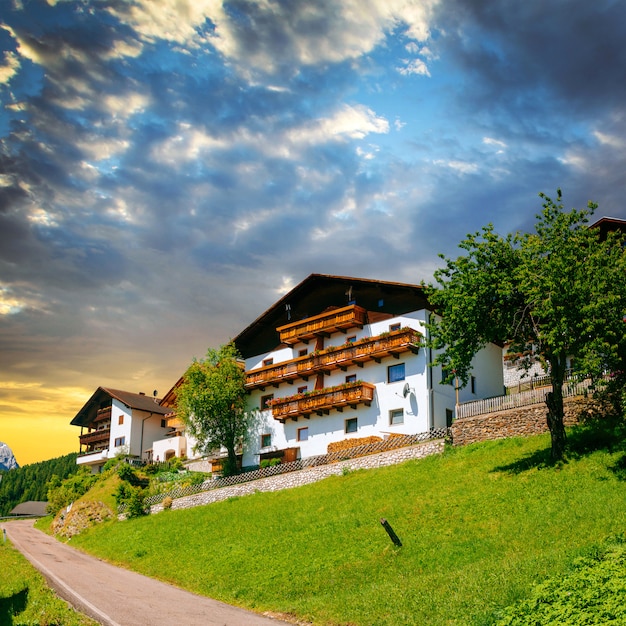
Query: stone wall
{"x": 524, "y": 421}
{"x": 308, "y": 475}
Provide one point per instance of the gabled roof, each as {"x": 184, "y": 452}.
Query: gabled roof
{"x": 318, "y": 292}
{"x": 32, "y": 507}
{"x": 103, "y": 396}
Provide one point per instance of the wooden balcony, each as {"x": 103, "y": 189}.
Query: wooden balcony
{"x": 323, "y": 325}
{"x": 340, "y": 357}
{"x": 96, "y": 437}
{"x": 322, "y": 401}
{"x": 103, "y": 414}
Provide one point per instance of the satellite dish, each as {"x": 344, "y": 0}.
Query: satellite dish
{"x": 406, "y": 390}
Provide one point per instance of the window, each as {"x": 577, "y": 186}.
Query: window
{"x": 473, "y": 384}
{"x": 444, "y": 374}
{"x": 396, "y": 416}
{"x": 393, "y": 327}
{"x": 266, "y": 441}
{"x": 303, "y": 389}
{"x": 351, "y": 339}
{"x": 120, "y": 441}
{"x": 395, "y": 373}
{"x": 163, "y": 423}
{"x": 351, "y": 378}
{"x": 352, "y": 425}
{"x": 449, "y": 417}
{"x": 268, "y": 362}
{"x": 265, "y": 400}
{"x": 303, "y": 433}
{"x": 120, "y": 419}
{"x": 303, "y": 352}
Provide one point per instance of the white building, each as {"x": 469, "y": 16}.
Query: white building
{"x": 340, "y": 358}
{"x": 115, "y": 422}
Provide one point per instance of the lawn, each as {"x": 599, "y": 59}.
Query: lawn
{"x": 26, "y": 600}
{"x": 479, "y": 525}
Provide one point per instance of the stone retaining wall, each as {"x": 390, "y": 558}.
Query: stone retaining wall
{"x": 308, "y": 475}
{"x": 520, "y": 422}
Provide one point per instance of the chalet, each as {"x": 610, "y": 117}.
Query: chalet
{"x": 344, "y": 358}
{"x": 114, "y": 421}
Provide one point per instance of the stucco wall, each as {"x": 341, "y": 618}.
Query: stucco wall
{"x": 524, "y": 421}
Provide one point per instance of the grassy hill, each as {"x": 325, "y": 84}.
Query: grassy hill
{"x": 479, "y": 526}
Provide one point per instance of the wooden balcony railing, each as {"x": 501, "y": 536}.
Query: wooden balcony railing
{"x": 96, "y": 437}
{"x": 323, "y": 325}
{"x": 336, "y": 357}
{"x": 103, "y": 414}
{"x": 323, "y": 401}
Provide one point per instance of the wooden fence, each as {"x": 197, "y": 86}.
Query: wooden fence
{"x": 392, "y": 443}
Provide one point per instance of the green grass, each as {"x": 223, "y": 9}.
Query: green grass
{"x": 479, "y": 525}
{"x": 26, "y": 600}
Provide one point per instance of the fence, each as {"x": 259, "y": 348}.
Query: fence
{"x": 517, "y": 400}
{"x": 393, "y": 443}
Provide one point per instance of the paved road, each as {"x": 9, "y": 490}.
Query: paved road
{"x": 117, "y": 597}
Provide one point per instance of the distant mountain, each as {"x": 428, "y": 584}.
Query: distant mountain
{"x": 7, "y": 460}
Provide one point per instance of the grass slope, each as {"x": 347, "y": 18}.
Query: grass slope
{"x": 479, "y": 526}
{"x": 26, "y": 600}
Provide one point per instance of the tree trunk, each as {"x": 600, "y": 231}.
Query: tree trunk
{"x": 230, "y": 463}
{"x": 554, "y": 402}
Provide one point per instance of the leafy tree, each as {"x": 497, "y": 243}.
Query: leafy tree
{"x": 211, "y": 402}
{"x": 555, "y": 294}
{"x": 30, "y": 482}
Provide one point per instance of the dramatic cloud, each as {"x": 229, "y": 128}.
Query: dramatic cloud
{"x": 169, "y": 168}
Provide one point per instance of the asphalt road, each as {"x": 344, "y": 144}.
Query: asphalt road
{"x": 117, "y": 597}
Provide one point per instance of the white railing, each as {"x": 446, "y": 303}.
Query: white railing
{"x": 516, "y": 400}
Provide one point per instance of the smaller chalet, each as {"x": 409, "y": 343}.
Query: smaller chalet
{"x": 114, "y": 422}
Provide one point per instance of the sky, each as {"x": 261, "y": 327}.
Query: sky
{"x": 170, "y": 168}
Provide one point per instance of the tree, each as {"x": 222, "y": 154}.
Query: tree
{"x": 211, "y": 402}
{"x": 554, "y": 294}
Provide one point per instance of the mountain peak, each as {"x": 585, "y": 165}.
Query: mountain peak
{"x": 7, "y": 460}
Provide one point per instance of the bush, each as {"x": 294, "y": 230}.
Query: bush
{"x": 63, "y": 493}
{"x": 126, "y": 472}
{"x": 136, "y": 506}
{"x": 167, "y": 502}
{"x": 269, "y": 463}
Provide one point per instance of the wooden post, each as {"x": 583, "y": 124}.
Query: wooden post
{"x": 390, "y": 532}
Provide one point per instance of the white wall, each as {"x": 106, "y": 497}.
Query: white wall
{"x": 423, "y": 408}
{"x": 120, "y": 410}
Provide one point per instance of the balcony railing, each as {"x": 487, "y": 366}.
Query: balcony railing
{"x": 103, "y": 414}
{"x": 96, "y": 437}
{"x": 323, "y": 325}
{"x": 341, "y": 357}
{"x": 323, "y": 401}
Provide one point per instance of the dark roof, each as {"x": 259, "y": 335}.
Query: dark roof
{"x": 609, "y": 224}
{"x": 103, "y": 396}
{"x": 318, "y": 292}
{"x": 32, "y": 507}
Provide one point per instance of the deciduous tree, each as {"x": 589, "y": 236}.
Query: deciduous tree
{"x": 556, "y": 294}
{"x": 211, "y": 402}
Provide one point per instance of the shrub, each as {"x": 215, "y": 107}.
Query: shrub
{"x": 62, "y": 493}
{"x": 136, "y": 506}
{"x": 126, "y": 472}
{"x": 167, "y": 502}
